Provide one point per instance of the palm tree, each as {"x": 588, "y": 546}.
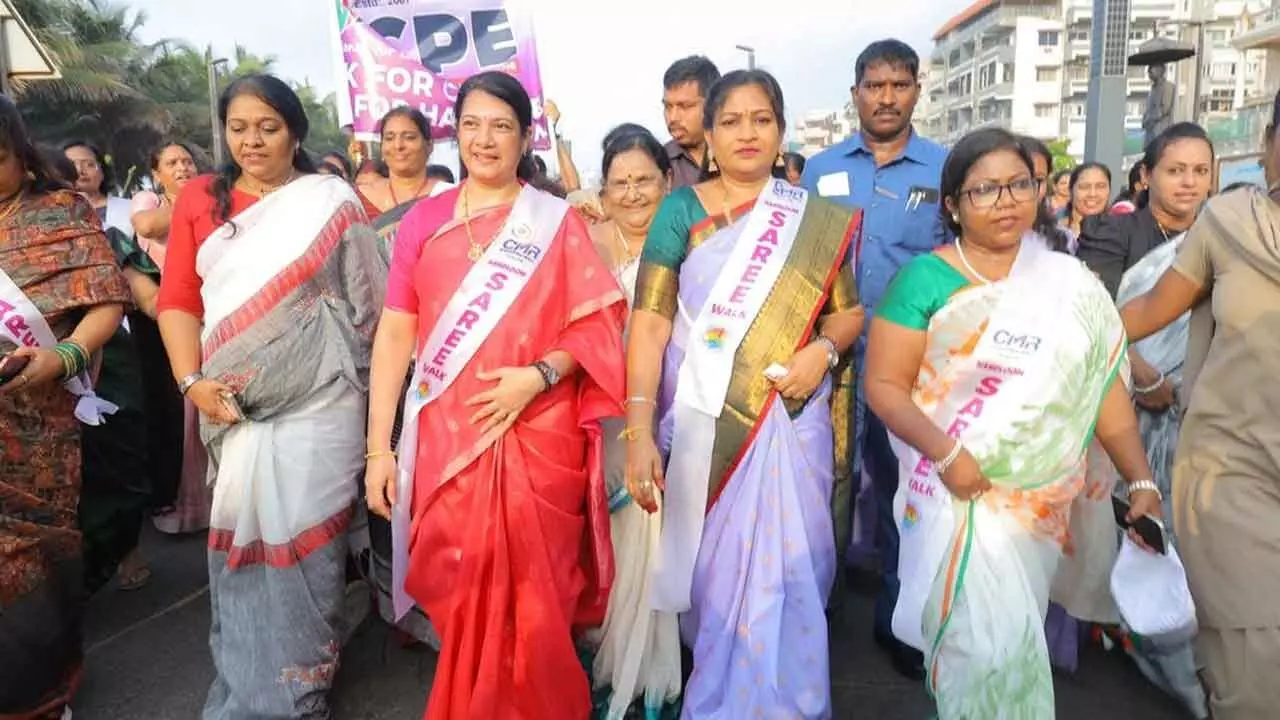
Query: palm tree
{"x": 127, "y": 96}
{"x": 325, "y": 135}
{"x": 96, "y": 46}
{"x": 246, "y": 63}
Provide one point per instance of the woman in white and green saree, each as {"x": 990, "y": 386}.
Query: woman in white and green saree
{"x": 993, "y": 363}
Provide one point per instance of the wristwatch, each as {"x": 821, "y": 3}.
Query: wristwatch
{"x": 549, "y": 374}
{"x": 833, "y": 357}
{"x": 188, "y": 381}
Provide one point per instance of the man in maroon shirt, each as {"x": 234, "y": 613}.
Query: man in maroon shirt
{"x": 685, "y": 86}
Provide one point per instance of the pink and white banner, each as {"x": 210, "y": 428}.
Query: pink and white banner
{"x": 418, "y": 52}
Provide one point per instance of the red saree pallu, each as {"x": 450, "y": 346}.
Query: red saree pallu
{"x": 508, "y": 544}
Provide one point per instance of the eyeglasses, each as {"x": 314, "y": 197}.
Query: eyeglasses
{"x": 85, "y": 164}
{"x": 988, "y": 195}
{"x": 641, "y": 186}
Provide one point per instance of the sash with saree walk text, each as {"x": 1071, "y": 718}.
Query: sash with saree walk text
{"x": 489, "y": 289}
{"x": 23, "y": 323}
{"x": 1016, "y": 350}
{"x": 731, "y": 307}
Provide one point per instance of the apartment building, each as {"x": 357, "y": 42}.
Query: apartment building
{"x": 1228, "y": 73}
{"x": 1024, "y": 65}
{"x": 997, "y": 63}
{"x": 820, "y": 129}
{"x": 1257, "y": 33}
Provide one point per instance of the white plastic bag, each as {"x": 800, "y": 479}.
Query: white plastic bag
{"x": 1152, "y": 594}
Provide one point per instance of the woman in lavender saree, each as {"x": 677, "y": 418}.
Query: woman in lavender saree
{"x": 268, "y": 306}
{"x": 743, "y": 312}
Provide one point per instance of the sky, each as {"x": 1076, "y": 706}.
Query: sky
{"x": 601, "y": 60}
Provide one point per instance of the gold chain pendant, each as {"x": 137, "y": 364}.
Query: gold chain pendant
{"x": 475, "y": 253}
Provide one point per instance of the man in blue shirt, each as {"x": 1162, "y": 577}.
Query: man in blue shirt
{"x": 892, "y": 174}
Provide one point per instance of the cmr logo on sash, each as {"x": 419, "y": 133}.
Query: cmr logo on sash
{"x": 714, "y": 338}
{"x": 1021, "y": 343}
{"x": 787, "y": 191}
{"x": 524, "y": 251}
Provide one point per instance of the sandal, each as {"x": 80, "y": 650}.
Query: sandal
{"x": 135, "y": 580}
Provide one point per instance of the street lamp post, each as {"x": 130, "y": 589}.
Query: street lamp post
{"x": 213, "y": 108}
{"x": 751, "y": 55}
{"x": 1108, "y": 77}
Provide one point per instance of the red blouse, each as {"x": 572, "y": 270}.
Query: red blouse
{"x": 192, "y": 223}
{"x": 373, "y": 211}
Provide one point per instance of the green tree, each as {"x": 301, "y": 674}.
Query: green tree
{"x": 325, "y": 135}
{"x": 1062, "y": 158}
{"x": 96, "y": 46}
{"x": 126, "y": 96}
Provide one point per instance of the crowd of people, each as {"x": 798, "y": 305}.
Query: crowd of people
{"x": 564, "y": 436}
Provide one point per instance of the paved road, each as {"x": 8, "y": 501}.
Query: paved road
{"x": 148, "y": 659}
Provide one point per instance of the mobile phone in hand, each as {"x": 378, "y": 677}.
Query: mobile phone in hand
{"x": 11, "y": 366}
{"x": 229, "y": 402}
{"x": 1147, "y": 527}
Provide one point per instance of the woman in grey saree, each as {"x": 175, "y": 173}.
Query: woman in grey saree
{"x": 1142, "y": 246}
{"x": 268, "y": 306}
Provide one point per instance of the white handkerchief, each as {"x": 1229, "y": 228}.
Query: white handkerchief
{"x": 833, "y": 184}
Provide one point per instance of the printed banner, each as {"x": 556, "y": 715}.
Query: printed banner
{"x": 418, "y": 52}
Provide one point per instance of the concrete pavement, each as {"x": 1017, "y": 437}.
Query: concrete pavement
{"x": 148, "y": 659}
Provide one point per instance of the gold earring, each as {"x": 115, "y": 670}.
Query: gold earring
{"x": 712, "y": 166}
{"x": 781, "y": 162}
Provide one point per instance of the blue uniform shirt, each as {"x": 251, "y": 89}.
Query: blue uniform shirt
{"x": 899, "y": 202}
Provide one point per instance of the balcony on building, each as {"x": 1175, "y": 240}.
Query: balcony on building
{"x": 1259, "y": 31}
{"x": 1262, "y": 31}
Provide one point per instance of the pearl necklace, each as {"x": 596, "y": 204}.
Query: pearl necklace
{"x": 960, "y": 251}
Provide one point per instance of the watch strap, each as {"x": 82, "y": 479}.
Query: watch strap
{"x": 833, "y": 355}
{"x": 548, "y": 373}
{"x": 188, "y": 381}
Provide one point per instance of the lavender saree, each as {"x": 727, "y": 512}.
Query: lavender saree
{"x": 291, "y": 301}
{"x": 747, "y": 550}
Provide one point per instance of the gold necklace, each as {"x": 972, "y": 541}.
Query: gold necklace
{"x": 476, "y": 250}
{"x": 627, "y": 256}
{"x": 416, "y": 193}
{"x": 265, "y": 190}
{"x": 724, "y": 201}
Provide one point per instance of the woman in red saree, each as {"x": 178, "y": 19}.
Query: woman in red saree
{"x": 498, "y": 502}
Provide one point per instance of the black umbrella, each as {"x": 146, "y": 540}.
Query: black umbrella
{"x": 1161, "y": 51}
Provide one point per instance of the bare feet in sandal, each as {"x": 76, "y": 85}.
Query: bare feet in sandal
{"x": 133, "y": 571}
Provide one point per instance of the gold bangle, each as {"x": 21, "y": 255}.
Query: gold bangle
{"x": 379, "y": 453}
{"x": 640, "y": 400}
{"x": 632, "y": 433}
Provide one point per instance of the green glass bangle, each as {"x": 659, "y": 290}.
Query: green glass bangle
{"x": 64, "y": 356}
{"x": 73, "y": 358}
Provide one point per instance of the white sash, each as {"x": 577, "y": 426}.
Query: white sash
{"x": 236, "y": 262}
{"x": 489, "y": 289}
{"x": 23, "y": 323}
{"x": 1016, "y": 351}
{"x": 740, "y": 290}
{"x": 119, "y": 212}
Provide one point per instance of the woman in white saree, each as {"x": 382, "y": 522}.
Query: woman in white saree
{"x": 268, "y": 304}
{"x": 637, "y": 658}
{"x": 991, "y": 415}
